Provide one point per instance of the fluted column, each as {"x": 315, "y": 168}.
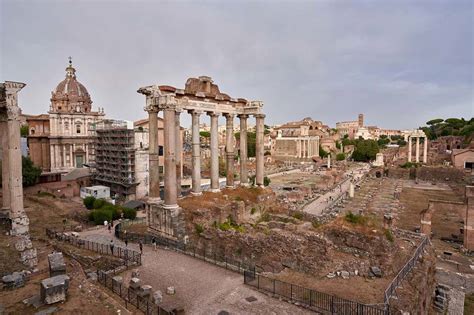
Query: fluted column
{"x": 259, "y": 149}
{"x": 244, "y": 180}
{"x": 179, "y": 149}
{"x": 5, "y": 163}
{"x": 409, "y": 149}
{"x": 229, "y": 150}
{"x": 214, "y": 152}
{"x": 171, "y": 196}
{"x": 417, "y": 152}
{"x": 153, "y": 156}
{"x": 425, "y": 150}
{"x": 196, "y": 154}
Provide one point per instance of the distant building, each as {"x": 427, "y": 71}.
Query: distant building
{"x": 350, "y": 127}
{"x": 60, "y": 140}
{"x": 463, "y": 158}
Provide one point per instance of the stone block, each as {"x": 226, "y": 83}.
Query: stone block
{"x": 145, "y": 291}
{"x": 135, "y": 273}
{"x": 23, "y": 242}
{"x": 375, "y": 272}
{"x": 135, "y": 283}
{"x": 29, "y": 257}
{"x": 157, "y": 297}
{"x": 57, "y": 266}
{"x": 117, "y": 279}
{"x": 54, "y": 289}
{"x": 170, "y": 290}
{"x": 14, "y": 280}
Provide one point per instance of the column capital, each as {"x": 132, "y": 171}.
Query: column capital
{"x": 151, "y": 109}
{"x": 195, "y": 112}
{"x": 229, "y": 115}
{"x": 243, "y": 116}
{"x": 213, "y": 114}
{"x": 259, "y": 115}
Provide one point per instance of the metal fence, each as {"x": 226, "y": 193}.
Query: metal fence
{"x": 312, "y": 299}
{"x": 390, "y": 291}
{"x": 130, "y": 296}
{"x": 218, "y": 259}
{"x": 129, "y": 256}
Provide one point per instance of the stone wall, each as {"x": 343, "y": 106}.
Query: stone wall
{"x": 441, "y": 174}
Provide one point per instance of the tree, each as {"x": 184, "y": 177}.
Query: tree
{"x": 31, "y": 173}
{"x": 89, "y": 202}
{"x": 322, "y": 152}
{"x": 205, "y": 134}
{"x": 365, "y": 150}
{"x": 340, "y": 157}
{"x": 434, "y": 121}
{"x": 24, "y": 131}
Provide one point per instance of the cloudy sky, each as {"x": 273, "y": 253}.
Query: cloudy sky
{"x": 400, "y": 63}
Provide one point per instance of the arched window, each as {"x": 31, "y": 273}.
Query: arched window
{"x": 78, "y": 128}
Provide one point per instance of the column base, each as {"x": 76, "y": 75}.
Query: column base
{"x": 214, "y": 190}
{"x": 196, "y": 193}
{"x": 230, "y": 187}
{"x": 154, "y": 200}
{"x": 170, "y": 207}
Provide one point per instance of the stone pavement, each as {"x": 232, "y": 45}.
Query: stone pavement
{"x": 201, "y": 288}
{"x": 319, "y": 205}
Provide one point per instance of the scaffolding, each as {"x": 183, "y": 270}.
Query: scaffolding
{"x": 114, "y": 150}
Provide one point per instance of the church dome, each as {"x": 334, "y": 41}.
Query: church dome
{"x": 70, "y": 95}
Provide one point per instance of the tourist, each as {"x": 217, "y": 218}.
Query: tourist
{"x": 126, "y": 242}
{"x": 153, "y": 242}
{"x": 140, "y": 244}
{"x": 109, "y": 226}
{"x": 112, "y": 246}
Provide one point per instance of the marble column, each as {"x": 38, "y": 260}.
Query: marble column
{"x": 244, "y": 180}
{"x": 179, "y": 150}
{"x": 259, "y": 150}
{"x": 153, "y": 157}
{"x": 5, "y": 162}
{"x": 214, "y": 152}
{"x": 329, "y": 160}
{"x": 196, "y": 154}
{"x": 298, "y": 148}
{"x": 229, "y": 150}
{"x": 425, "y": 150}
{"x": 171, "y": 196}
{"x": 409, "y": 149}
{"x": 417, "y": 150}
{"x": 71, "y": 160}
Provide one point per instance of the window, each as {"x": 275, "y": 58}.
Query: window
{"x": 78, "y": 128}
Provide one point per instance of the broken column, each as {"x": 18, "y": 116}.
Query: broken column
{"x": 12, "y": 168}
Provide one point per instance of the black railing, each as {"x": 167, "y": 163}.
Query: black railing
{"x": 310, "y": 298}
{"x": 130, "y": 296}
{"x": 129, "y": 256}
{"x": 214, "y": 258}
{"x": 406, "y": 268}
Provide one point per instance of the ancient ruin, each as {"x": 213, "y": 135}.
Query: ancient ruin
{"x": 199, "y": 96}
{"x": 12, "y": 186}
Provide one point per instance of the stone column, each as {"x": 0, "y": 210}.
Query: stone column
{"x": 214, "y": 152}
{"x": 179, "y": 150}
{"x": 244, "y": 180}
{"x": 229, "y": 150}
{"x": 5, "y": 162}
{"x": 171, "y": 196}
{"x": 259, "y": 150}
{"x": 71, "y": 160}
{"x": 196, "y": 154}
{"x": 298, "y": 148}
{"x": 417, "y": 152}
{"x": 153, "y": 156}
{"x": 409, "y": 149}
{"x": 425, "y": 150}
{"x": 303, "y": 142}
{"x": 329, "y": 160}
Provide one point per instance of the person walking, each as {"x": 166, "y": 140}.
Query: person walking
{"x": 153, "y": 242}
{"x": 126, "y": 242}
{"x": 109, "y": 226}
{"x": 140, "y": 244}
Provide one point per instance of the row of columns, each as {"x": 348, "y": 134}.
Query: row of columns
{"x": 417, "y": 149}
{"x": 306, "y": 147}
{"x": 173, "y": 147}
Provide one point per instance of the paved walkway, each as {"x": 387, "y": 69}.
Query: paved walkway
{"x": 201, "y": 288}
{"x": 319, "y": 205}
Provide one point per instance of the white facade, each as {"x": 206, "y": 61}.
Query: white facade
{"x": 98, "y": 192}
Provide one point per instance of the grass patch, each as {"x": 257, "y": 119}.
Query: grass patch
{"x": 253, "y": 210}
{"x": 198, "y": 228}
{"x": 389, "y": 235}
{"x": 265, "y": 217}
{"x": 316, "y": 224}
{"x": 298, "y": 215}
{"x": 45, "y": 194}
{"x": 355, "y": 218}
{"x": 229, "y": 224}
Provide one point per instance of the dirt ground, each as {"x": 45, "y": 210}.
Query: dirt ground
{"x": 84, "y": 297}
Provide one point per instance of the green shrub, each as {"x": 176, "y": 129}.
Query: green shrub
{"x": 114, "y": 210}
{"x": 298, "y": 215}
{"x": 266, "y": 181}
{"x": 389, "y": 235}
{"x": 98, "y": 203}
{"x": 128, "y": 213}
{"x": 265, "y": 217}
{"x": 315, "y": 224}
{"x": 355, "y": 218}
{"x": 89, "y": 202}
{"x": 410, "y": 165}
{"x": 340, "y": 157}
{"x": 100, "y": 215}
{"x": 253, "y": 210}
{"x": 198, "y": 228}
